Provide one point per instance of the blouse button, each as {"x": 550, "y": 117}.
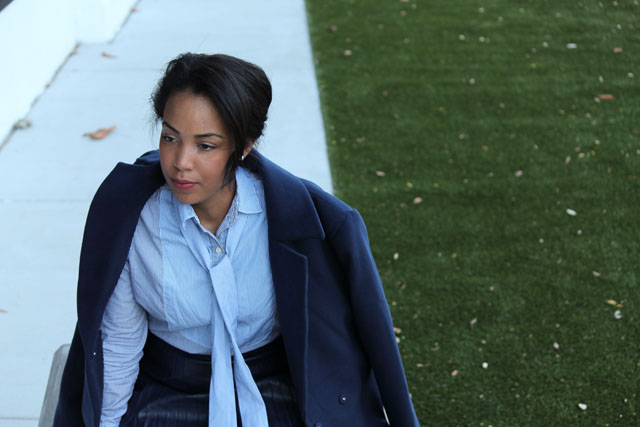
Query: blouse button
{"x": 218, "y": 250}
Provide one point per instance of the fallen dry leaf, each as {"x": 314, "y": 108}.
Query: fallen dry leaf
{"x": 397, "y": 330}
{"x": 455, "y": 373}
{"x": 571, "y": 212}
{"x": 611, "y": 302}
{"x": 22, "y": 124}
{"x": 582, "y": 406}
{"x": 605, "y": 97}
{"x": 473, "y": 322}
{"x": 107, "y": 55}
{"x": 348, "y": 52}
{"x": 417, "y": 200}
{"x": 596, "y": 274}
{"x": 2, "y": 310}
{"x": 100, "y": 133}
{"x": 380, "y": 173}
{"x": 617, "y": 49}
{"x": 518, "y": 174}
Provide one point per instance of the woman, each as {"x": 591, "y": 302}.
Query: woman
{"x": 217, "y": 289}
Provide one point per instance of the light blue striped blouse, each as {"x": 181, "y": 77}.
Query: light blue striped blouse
{"x": 165, "y": 288}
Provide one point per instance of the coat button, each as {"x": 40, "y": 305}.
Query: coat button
{"x": 342, "y": 399}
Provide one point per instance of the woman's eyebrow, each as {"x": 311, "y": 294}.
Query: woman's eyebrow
{"x": 171, "y": 127}
{"x": 200, "y": 135}
{"x": 206, "y": 135}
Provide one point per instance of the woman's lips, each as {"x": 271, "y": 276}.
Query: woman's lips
{"x": 182, "y": 184}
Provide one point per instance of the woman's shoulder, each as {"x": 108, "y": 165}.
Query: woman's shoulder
{"x": 332, "y": 211}
{"x": 282, "y": 180}
{"x": 324, "y": 200}
{"x": 143, "y": 177}
{"x": 295, "y": 199}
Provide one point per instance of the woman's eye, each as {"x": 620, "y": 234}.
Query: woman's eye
{"x": 168, "y": 138}
{"x": 206, "y": 147}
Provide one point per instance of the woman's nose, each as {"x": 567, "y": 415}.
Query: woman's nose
{"x": 183, "y": 158}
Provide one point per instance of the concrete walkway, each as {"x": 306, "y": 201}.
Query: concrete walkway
{"x": 49, "y": 171}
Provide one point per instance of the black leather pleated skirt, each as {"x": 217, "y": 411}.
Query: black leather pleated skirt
{"x": 173, "y": 387}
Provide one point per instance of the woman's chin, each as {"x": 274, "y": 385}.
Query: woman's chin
{"x": 183, "y": 197}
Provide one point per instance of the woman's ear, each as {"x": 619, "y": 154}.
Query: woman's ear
{"x": 248, "y": 149}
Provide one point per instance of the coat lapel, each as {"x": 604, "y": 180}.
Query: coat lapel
{"x": 289, "y": 269}
{"x": 291, "y": 216}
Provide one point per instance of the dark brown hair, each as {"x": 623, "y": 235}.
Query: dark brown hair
{"x": 240, "y": 91}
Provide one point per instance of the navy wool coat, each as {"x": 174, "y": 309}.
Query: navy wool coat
{"x": 333, "y": 315}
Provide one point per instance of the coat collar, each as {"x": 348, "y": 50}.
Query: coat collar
{"x": 291, "y": 212}
{"x": 111, "y": 222}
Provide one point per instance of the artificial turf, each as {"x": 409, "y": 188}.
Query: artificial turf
{"x": 493, "y": 149}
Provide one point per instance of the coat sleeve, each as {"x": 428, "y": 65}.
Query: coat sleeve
{"x": 373, "y": 319}
{"x": 69, "y": 409}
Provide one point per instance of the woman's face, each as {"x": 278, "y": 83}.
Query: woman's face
{"x": 194, "y": 149}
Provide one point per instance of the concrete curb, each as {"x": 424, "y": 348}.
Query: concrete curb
{"x": 53, "y": 387}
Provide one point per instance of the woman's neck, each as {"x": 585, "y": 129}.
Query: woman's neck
{"x": 211, "y": 212}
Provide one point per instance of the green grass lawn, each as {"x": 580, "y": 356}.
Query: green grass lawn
{"x": 493, "y": 149}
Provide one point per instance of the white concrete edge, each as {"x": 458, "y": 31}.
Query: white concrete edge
{"x": 32, "y": 58}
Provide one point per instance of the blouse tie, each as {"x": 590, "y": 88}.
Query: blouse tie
{"x": 224, "y": 322}
{"x": 223, "y": 372}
